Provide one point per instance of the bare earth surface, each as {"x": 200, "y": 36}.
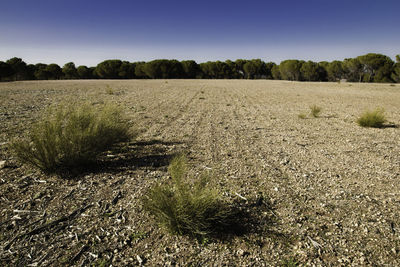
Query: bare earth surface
{"x": 319, "y": 191}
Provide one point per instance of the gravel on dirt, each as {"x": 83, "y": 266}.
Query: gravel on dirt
{"x": 318, "y": 191}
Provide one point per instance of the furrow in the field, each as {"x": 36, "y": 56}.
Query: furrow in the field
{"x": 173, "y": 105}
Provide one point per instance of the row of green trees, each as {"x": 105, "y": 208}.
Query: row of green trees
{"x": 367, "y": 68}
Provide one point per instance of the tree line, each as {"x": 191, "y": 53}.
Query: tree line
{"x": 366, "y": 68}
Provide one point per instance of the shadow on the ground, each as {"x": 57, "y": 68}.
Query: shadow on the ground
{"x": 389, "y": 125}
{"x": 254, "y": 216}
{"x": 156, "y": 142}
{"x": 151, "y": 155}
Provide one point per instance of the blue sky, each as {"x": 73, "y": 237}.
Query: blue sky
{"x": 88, "y": 32}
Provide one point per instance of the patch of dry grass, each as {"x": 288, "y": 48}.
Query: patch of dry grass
{"x": 302, "y": 116}
{"x": 188, "y": 208}
{"x": 71, "y": 136}
{"x": 374, "y": 119}
{"x": 315, "y": 111}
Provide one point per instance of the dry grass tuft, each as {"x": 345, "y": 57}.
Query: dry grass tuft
{"x": 185, "y": 208}
{"x": 72, "y": 136}
{"x": 302, "y": 116}
{"x": 109, "y": 90}
{"x": 375, "y": 118}
{"x": 315, "y": 111}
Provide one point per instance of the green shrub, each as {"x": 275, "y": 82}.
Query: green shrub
{"x": 374, "y": 119}
{"x": 72, "y": 136}
{"x": 315, "y": 111}
{"x": 188, "y": 208}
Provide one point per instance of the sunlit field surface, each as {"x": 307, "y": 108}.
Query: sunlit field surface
{"x": 316, "y": 189}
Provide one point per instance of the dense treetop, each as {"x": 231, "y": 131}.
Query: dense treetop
{"x": 366, "y": 68}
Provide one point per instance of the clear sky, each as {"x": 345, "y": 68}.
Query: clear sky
{"x": 88, "y": 32}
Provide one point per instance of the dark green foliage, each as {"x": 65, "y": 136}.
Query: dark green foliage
{"x": 239, "y": 63}
{"x": 396, "y": 73}
{"x": 187, "y": 208}
{"x": 268, "y": 69}
{"x": 54, "y": 71}
{"x": 18, "y": 69}
{"x": 69, "y": 71}
{"x": 126, "y": 70}
{"x": 72, "y": 136}
{"x": 109, "y": 69}
{"x": 190, "y": 68}
{"x": 235, "y": 71}
{"x": 5, "y": 71}
{"x": 164, "y": 69}
{"x": 93, "y": 73}
{"x": 255, "y": 69}
{"x": 396, "y": 70}
{"x": 276, "y": 73}
{"x": 139, "y": 70}
{"x": 322, "y": 73}
{"x": 290, "y": 69}
{"x": 40, "y": 72}
{"x": 47, "y": 72}
{"x": 310, "y": 71}
{"x": 84, "y": 72}
{"x": 216, "y": 70}
{"x": 115, "y": 69}
{"x": 376, "y": 67}
{"x": 366, "y": 68}
{"x": 374, "y": 119}
{"x": 353, "y": 69}
{"x": 335, "y": 71}
{"x": 323, "y": 64}
{"x": 30, "y": 75}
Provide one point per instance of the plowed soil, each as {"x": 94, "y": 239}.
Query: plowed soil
{"x": 318, "y": 191}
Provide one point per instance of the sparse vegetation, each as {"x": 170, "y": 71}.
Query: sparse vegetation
{"x": 188, "y": 208}
{"x": 302, "y": 116}
{"x": 72, "y": 136}
{"x": 276, "y": 173}
{"x": 315, "y": 111}
{"x": 109, "y": 90}
{"x": 375, "y": 118}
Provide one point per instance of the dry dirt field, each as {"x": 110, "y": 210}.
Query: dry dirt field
{"x": 318, "y": 191}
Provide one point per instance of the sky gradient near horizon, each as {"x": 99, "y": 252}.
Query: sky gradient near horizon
{"x": 88, "y": 32}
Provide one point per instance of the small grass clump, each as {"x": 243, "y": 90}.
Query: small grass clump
{"x": 109, "y": 90}
{"x": 315, "y": 111}
{"x": 185, "y": 208}
{"x": 71, "y": 136}
{"x": 302, "y": 116}
{"x": 375, "y": 118}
